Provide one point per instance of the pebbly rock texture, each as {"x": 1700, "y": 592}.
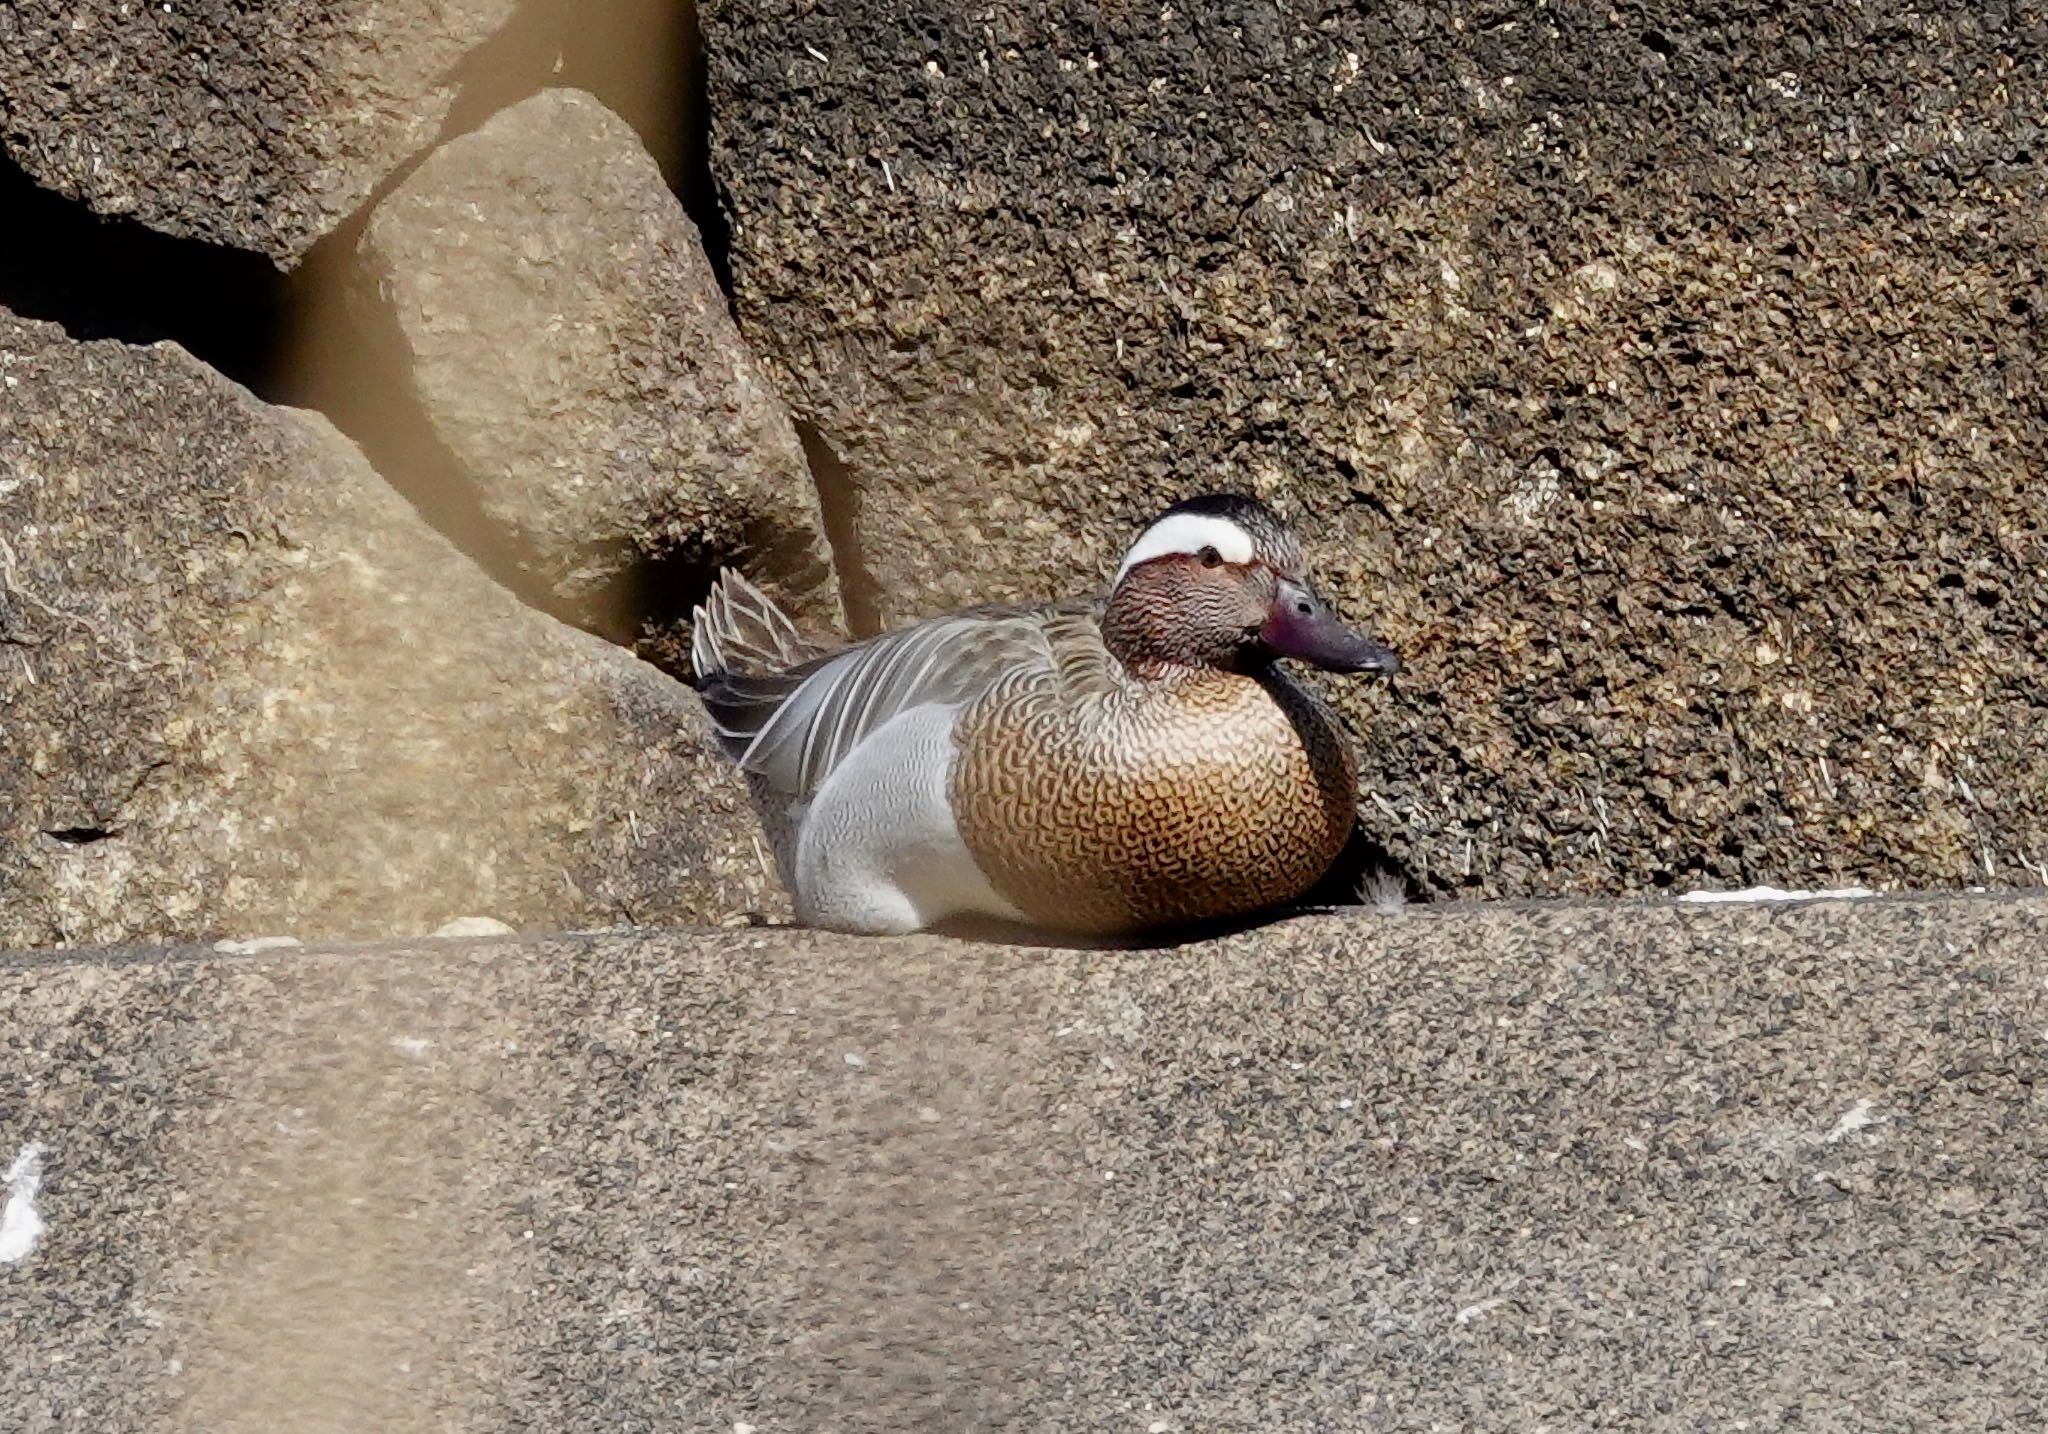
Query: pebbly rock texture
{"x": 570, "y": 346}
{"x": 1669, "y": 394}
{"x": 248, "y": 692}
{"x": 257, "y": 127}
{"x": 1635, "y": 1167}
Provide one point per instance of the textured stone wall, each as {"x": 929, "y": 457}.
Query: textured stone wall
{"x": 381, "y": 383}
{"x": 262, "y": 676}
{"x": 1669, "y": 391}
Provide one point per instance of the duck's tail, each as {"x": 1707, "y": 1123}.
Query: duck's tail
{"x": 739, "y": 631}
{"x": 746, "y": 654}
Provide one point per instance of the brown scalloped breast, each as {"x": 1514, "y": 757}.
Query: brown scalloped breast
{"x": 1140, "y": 804}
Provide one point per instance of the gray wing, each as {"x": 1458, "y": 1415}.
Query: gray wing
{"x": 794, "y": 728}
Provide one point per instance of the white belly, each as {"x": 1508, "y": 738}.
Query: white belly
{"x": 878, "y": 849}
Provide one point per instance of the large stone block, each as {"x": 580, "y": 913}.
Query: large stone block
{"x": 260, "y": 127}
{"x": 568, "y": 343}
{"x": 247, "y": 690}
{"x": 1638, "y": 1167}
{"x": 1670, "y": 394}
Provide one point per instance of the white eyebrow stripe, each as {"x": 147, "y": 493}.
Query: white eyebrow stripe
{"x": 1188, "y": 533}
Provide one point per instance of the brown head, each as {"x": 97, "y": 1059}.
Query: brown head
{"x": 1220, "y": 582}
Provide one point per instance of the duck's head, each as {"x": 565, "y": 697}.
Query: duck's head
{"x": 1220, "y": 581}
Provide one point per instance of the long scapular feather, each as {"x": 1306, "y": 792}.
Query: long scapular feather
{"x": 739, "y": 629}
{"x": 791, "y": 714}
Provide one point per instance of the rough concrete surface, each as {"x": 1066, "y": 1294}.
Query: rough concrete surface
{"x": 260, "y": 127}
{"x": 246, "y": 691}
{"x": 1641, "y": 1167}
{"x": 1668, "y": 387}
{"x": 570, "y": 345}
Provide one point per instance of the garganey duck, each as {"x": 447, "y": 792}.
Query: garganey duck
{"x": 1131, "y": 761}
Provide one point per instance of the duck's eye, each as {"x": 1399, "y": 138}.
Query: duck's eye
{"x": 1211, "y": 558}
